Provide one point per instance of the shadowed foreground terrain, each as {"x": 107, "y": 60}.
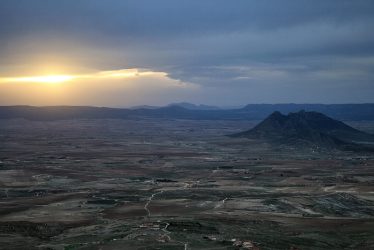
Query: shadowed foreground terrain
{"x": 177, "y": 184}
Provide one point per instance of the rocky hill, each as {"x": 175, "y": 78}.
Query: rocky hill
{"x": 308, "y": 128}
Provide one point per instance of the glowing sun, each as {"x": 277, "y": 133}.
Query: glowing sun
{"x": 41, "y": 79}
{"x": 111, "y": 74}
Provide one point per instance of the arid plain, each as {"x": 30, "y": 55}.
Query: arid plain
{"x": 177, "y": 184}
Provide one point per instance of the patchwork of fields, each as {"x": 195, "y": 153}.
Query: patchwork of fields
{"x": 177, "y": 184}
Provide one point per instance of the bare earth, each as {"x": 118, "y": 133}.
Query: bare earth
{"x": 176, "y": 184}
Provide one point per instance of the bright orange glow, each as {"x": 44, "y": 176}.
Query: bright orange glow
{"x": 112, "y": 74}
{"x": 39, "y": 79}
{"x": 82, "y": 86}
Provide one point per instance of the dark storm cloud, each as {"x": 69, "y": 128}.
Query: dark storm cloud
{"x": 170, "y": 16}
{"x": 251, "y": 51}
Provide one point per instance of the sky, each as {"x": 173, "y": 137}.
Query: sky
{"x": 122, "y": 53}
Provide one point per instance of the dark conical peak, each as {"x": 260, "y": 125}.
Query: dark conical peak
{"x": 306, "y": 127}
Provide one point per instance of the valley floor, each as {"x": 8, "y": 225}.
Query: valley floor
{"x": 176, "y": 184}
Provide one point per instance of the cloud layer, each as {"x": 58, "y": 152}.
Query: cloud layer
{"x": 238, "y": 52}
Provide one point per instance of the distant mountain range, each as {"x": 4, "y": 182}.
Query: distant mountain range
{"x": 348, "y": 112}
{"x": 191, "y": 106}
{"x": 309, "y": 129}
{"x": 186, "y": 105}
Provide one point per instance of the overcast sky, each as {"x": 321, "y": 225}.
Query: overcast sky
{"x": 201, "y": 51}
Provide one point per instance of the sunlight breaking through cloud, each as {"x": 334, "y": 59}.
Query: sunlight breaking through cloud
{"x": 111, "y": 74}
